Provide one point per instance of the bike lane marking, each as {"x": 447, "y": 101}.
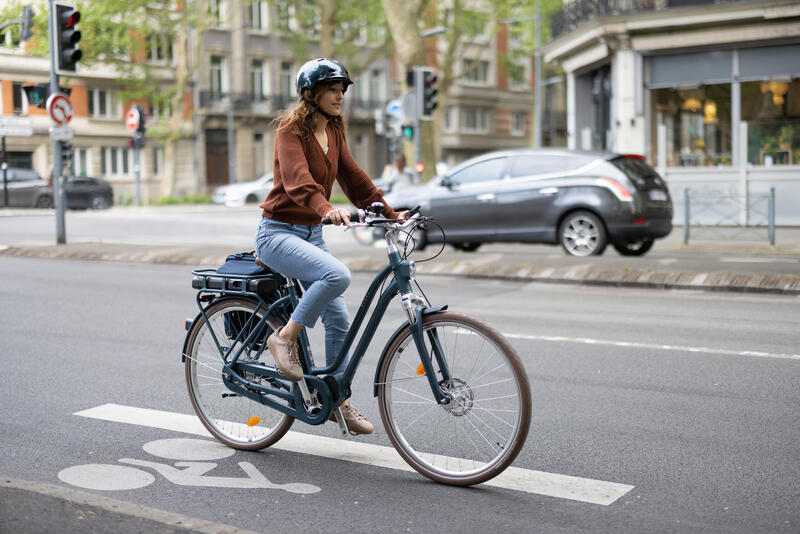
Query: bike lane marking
{"x": 514, "y": 478}
{"x": 652, "y": 346}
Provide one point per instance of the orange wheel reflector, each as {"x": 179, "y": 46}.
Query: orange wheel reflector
{"x": 253, "y": 421}
{"x": 420, "y": 370}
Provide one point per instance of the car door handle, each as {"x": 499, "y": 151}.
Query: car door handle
{"x": 485, "y": 197}
{"x": 548, "y": 191}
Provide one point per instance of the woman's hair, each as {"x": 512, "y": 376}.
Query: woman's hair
{"x": 298, "y": 119}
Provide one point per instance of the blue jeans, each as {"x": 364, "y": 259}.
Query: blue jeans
{"x": 298, "y": 251}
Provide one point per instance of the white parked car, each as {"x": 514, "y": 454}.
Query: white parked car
{"x": 254, "y": 191}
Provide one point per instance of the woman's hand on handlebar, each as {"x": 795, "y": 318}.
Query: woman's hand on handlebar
{"x": 338, "y": 216}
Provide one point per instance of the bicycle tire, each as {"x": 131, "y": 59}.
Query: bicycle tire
{"x": 236, "y": 421}
{"x": 431, "y": 441}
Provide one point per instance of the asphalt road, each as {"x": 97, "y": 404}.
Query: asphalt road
{"x": 689, "y": 397}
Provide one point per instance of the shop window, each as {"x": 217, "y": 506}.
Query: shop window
{"x": 698, "y": 125}
{"x": 772, "y": 111}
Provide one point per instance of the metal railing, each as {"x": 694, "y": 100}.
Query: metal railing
{"x": 728, "y": 217}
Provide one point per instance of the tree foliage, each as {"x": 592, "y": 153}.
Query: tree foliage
{"x": 354, "y": 32}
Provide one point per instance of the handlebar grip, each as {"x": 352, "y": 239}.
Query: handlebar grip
{"x": 355, "y": 216}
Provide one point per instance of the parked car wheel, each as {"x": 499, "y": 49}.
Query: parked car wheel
{"x": 582, "y": 233}
{"x": 467, "y": 246}
{"x": 44, "y": 202}
{"x": 635, "y": 248}
{"x": 100, "y": 203}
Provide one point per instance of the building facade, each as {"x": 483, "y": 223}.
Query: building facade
{"x": 244, "y": 78}
{"x": 707, "y": 90}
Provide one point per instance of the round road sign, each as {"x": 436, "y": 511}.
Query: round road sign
{"x": 60, "y": 109}
{"x": 132, "y": 119}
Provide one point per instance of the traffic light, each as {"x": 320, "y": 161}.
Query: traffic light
{"x": 66, "y": 158}
{"x": 26, "y": 31}
{"x": 67, "y": 37}
{"x": 408, "y": 131}
{"x": 429, "y": 90}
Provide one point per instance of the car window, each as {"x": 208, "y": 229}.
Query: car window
{"x": 22, "y": 175}
{"x": 528, "y": 164}
{"x": 483, "y": 171}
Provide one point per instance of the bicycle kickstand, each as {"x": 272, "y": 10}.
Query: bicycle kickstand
{"x": 340, "y": 419}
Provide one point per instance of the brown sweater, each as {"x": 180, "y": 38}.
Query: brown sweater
{"x": 304, "y": 175}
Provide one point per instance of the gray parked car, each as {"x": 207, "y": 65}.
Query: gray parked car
{"x": 25, "y": 189}
{"x": 580, "y": 200}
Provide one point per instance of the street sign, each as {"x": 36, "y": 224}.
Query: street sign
{"x": 395, "y": 109}
{"x": 16, "y": 126}
{"x": 132, "y": 118}
{"x": 61, "y": 133}
{"x": 59, "y": 108}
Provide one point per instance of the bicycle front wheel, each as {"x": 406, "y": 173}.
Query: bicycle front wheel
{"x": 235, "y": 420}
{"x": 479, "y": 433}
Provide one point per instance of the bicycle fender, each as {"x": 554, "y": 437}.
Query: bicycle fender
{"x": 186, "y": 339}
{"x": 425, "y": 311}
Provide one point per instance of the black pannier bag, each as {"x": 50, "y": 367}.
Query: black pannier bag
{"x": 236, "y": 327}
{"x": 242, "y": 264}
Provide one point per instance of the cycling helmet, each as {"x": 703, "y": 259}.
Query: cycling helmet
{"x": 321, "y": 70}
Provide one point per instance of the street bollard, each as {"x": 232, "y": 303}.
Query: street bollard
{"x": 686, "y": 216}
{"x": 771, "y": 216}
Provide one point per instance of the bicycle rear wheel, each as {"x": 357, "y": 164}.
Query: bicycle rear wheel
{"x": 235, "y": 420}
{"x": 480, "y": 432}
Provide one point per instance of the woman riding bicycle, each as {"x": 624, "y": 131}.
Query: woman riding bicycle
{"x": 310, "y": 153}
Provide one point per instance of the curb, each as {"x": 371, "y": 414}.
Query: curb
{"x": 579, "y": 275}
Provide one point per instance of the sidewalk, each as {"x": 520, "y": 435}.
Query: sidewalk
{"x": 720, "y": 263}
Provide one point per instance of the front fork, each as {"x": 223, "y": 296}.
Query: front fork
{"x": 414, "y": 307}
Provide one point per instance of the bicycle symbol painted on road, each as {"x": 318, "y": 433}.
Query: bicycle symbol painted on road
{"x": 191, "y": 470}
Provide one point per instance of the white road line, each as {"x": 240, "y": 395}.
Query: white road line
{"x": 654, "y": 346}
{"x": 514, "y": 478}
{"x": 745, "y": 259}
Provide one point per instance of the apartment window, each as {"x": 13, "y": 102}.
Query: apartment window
{"x": 216, "y": 74}
{"x": 285, "y": 11}
{"x": 159, "y": 110}
{"x": 376, "y": 85}
{"x": 287, "y": 78}
{"x": 158, "y": 160}
{"x": 215, "y": 10}
{"x": 258, "y": 15}
{"x": 476, "y": 71}
{"x": 19, "y": 102}
{"x": 104, "y": 104}
{"x": 257, "y": 79}
{"x": 159, "y": 48}
{"x": 114, "y": 161}
{"x": 474, "y": 120}
{"x": 80, "y": 165}
{"x": 518, "y": 123}
{"x": 450, "y": 119}
{"x": 518, "y": 75}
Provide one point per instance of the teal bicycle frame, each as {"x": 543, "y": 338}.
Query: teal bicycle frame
{"x": 324, "y": 388}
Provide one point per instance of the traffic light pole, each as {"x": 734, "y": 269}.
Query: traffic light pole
{"x": 58, "y": 198}
{"x": 417, "y": 130}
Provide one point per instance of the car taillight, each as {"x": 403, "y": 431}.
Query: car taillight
{"x": 617, "y": 188}
{"x": 634, "y": 156}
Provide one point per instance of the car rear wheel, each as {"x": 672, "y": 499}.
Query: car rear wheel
{"x": 582, "y": 234}
{"x": 44, "y": 201}
{"x": 99, "y": 203}
{"x": 467, "y": 246}
{"x": 634, "y": 248}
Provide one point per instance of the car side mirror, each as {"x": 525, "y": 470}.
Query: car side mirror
{"x": 448, "y": 183}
